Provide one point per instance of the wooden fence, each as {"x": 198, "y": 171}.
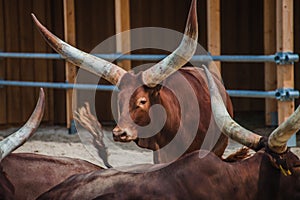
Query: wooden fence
{"x": 234, "y": 27}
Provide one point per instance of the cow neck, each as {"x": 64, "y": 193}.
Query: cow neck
{"x": 172, "y": 108}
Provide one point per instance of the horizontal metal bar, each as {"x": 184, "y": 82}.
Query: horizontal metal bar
{"x": 233, "y": 93}
{"x": 252, "y": 93}
{"x": 58, "y": 85}
{"x": 30, "y": 55}
{"x": 276, "y": 94}
{"x": 244, "y": 58}
{"x": 288, "y": 57}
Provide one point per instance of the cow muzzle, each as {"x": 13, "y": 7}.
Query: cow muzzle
{"x": 120, "y": 135}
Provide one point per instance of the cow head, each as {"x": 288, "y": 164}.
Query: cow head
{"x": 137, "y": 92}
{"x": 134, "y": 102}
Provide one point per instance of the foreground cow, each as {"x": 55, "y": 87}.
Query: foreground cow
{"x": 273, "y": 172}
{"x": 15, "y": 140}
{"x": 33, "y": 174}
{"x": 26, "y": 175}
{"x": 138, "y": 92}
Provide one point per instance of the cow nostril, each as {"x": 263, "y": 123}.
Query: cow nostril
{"x": 119, "y": 133}
{"x": 123, "y": 134}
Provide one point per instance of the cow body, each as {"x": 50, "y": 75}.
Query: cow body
{"x": 33, "y": 174}
{"x": 187, "y": 82}
{"x": 190, "y": 177}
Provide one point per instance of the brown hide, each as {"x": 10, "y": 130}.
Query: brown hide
{"x": 190, "y": 177}
{"x": 6, "y": 188}
{"x": 195, "y": 84}
{"x": 33, "y": 174}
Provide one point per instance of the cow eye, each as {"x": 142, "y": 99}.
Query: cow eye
{"x": 142, "y": 101}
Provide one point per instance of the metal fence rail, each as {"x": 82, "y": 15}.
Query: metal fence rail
{"x": 281, "y": 94}
{"x": 57, "y": 85}
{"x": 279, "y": 58}
{"x": 276, "y": 94}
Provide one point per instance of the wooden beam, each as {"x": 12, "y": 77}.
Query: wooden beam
{"x": 285, "y": 40}
{"x": 50, "y": 66}
{"x": 11, "y": 32}
{"x": 214, "y": 29}
{"x": 270, "y": 68}
{"x": 3, "y": 103}
{"x": 122, "y": 21}
{"x": 41, "y": 66}
{"x": 70, "y": 37}
{"x": 28, "y": 94}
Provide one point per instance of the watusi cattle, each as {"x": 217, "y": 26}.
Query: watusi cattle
{"x": 27, "y": 175}
{"x": 15, "y": 140}
{"x": 273, "y": 172}
{"x": 186, "y": 123}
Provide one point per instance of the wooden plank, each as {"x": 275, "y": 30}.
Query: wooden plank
{"x": 270, "y": 68}
{"x": 13, "y": 65}
{"x": 70, "y": 37}
{"x": 3, "y": 108}
{"x": 50, "y": 67}
{"x": 122, "y": 21}
{"x": 285, "y": 73}
{"x": 27, "y": 65}
{"x": 41, "y": 65}
{"x": 58, "y": 66}
{"x": 90, "y": 32}
{"x": 214, "y": 29}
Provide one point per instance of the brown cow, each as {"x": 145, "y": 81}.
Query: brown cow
{"x": 186, "y": 122}
{"x": 26, "y": 175}
{"x": 271, "y": 173}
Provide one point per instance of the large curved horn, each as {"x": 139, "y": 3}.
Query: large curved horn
{"x": 98, "y": 66}
{"x": 157, "y": 73}
{"x": 16, "y": 139}
{"x": 277, "y": 141}
{"x": 223, "y": 120}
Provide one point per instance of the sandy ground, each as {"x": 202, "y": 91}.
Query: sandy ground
{"x": 56, "y": 141}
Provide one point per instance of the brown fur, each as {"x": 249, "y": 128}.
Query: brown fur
{"x": 190, "y": 177}
{"x": 162, "y": 95}
{"x": 6, "y": 188}
{"x": 33, "y": 174}
{"x": 241, "y": 154}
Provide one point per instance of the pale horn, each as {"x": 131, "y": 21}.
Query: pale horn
{"x": 224, "y": 121}
{"x": 19, "y": 137}
{"x": 98, "y": 66}
{"x": 160, "y": 71}
{"x": 277, "y": 141}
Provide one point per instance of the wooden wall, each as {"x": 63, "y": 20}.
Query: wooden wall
{"x": 242, "y": 33}
{"x": 241, "y": 26}
{"x": 17, "y": 34}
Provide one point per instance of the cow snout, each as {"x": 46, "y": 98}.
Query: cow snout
{"x": 119, "y": 134}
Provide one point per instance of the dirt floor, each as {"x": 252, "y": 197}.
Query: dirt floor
{"x": 56, "y": 140}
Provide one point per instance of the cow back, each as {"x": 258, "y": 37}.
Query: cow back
{"x": 33, "y": 174}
